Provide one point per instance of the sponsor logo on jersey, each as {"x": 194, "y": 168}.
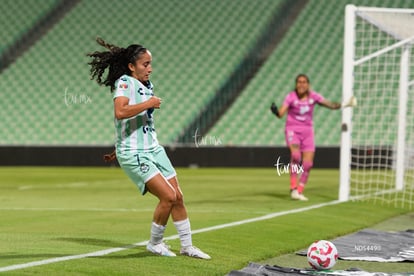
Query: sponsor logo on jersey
{"x": 123, "y": 85}
{"x": 146, "y": 93}
{"x": 147, "y": 129}
{"x": 149, "y": 112}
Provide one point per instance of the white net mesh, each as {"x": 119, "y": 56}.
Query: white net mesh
{"x": 376, "y": 118}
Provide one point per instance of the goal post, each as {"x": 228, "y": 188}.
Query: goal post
{"x": 377, "y": 139}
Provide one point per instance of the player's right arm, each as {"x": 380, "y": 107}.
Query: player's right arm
{"x": 279, "y": 112}
{"x": 124, "y": 110}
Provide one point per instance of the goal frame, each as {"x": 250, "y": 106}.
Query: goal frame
{"x": 349, "y": 63}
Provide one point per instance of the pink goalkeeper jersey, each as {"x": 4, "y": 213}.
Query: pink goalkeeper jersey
{"x": 300, "y": 112}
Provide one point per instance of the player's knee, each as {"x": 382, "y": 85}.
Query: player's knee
{"x": 168, "y": 199}
{"x": 307, "y": 165}
{"x": 179, "y": 203}
{"x": 179, "y": 197}
{"x": 295, "y": 156}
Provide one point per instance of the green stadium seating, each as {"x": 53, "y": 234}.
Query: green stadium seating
{"x": 47, "y": 97}
{"x": 18, "y": 16}
{"x": 195, "y": 46}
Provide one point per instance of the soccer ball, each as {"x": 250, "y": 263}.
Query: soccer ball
{"x": 322, "y": 255}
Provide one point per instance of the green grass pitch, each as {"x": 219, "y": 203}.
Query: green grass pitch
{"x": 55, "y": 212}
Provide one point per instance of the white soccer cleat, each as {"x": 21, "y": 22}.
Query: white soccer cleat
{"x": 294, "y": 194}
{"x": 160, "y": 249}
{"x": 194, "y": 252}
{"x": 302, "y": 197}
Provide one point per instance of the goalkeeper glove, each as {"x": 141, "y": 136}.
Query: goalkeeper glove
{"x": 352, "y": 102}
{"x": 274, "y": 109}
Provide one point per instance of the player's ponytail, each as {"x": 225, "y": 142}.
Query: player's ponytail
{"x": 103, "y": 43}
{"x": 116, "y": 60}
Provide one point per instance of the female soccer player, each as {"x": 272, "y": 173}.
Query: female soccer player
{"x": 137, "y": 148}
{"x": 299, "y": 133}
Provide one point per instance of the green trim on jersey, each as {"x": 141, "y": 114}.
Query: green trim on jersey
{"x": 137, "y": 133}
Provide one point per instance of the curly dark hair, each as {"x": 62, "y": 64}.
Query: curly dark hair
{"x": 116, "y": 60}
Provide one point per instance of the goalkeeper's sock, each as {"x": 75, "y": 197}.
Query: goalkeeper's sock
{"x": 294, "y": 163}
{"x": 307, "y": 165}
{"x": 293, "y": 180}
{"x": 301, "y": 187}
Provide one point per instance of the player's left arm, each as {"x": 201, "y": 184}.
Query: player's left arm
{"x": 330, "y": 105}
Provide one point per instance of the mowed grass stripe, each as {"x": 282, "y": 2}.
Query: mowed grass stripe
{"x": 117, "y": 249}
{"x": 213, "y": 197}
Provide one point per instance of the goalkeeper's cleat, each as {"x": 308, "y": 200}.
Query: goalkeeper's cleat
{"x": 194, "y": 252}
{"x": 294, "y": 194}
{"x": 302, "y": 197}
{"x": 160, "y": 249}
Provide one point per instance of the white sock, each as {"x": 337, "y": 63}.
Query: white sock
{"x": 184, "y": 232}
{"x": 157, "y": 233}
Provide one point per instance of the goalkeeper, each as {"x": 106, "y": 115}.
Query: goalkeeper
{"x": 299, "y": 133}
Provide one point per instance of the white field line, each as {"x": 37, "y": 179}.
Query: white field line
{"x": 173, "y": 237}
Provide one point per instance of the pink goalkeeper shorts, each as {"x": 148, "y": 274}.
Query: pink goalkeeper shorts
{"x": 304, "y": 137}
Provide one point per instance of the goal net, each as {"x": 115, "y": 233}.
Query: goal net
{"x": 377, "y": 141}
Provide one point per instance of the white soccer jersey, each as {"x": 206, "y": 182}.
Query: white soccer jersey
{"x": 136, "y": 133}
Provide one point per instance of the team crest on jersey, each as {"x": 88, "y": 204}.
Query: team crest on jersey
{"x": 311, "y": 101}
{"x": 144, "y": 168}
